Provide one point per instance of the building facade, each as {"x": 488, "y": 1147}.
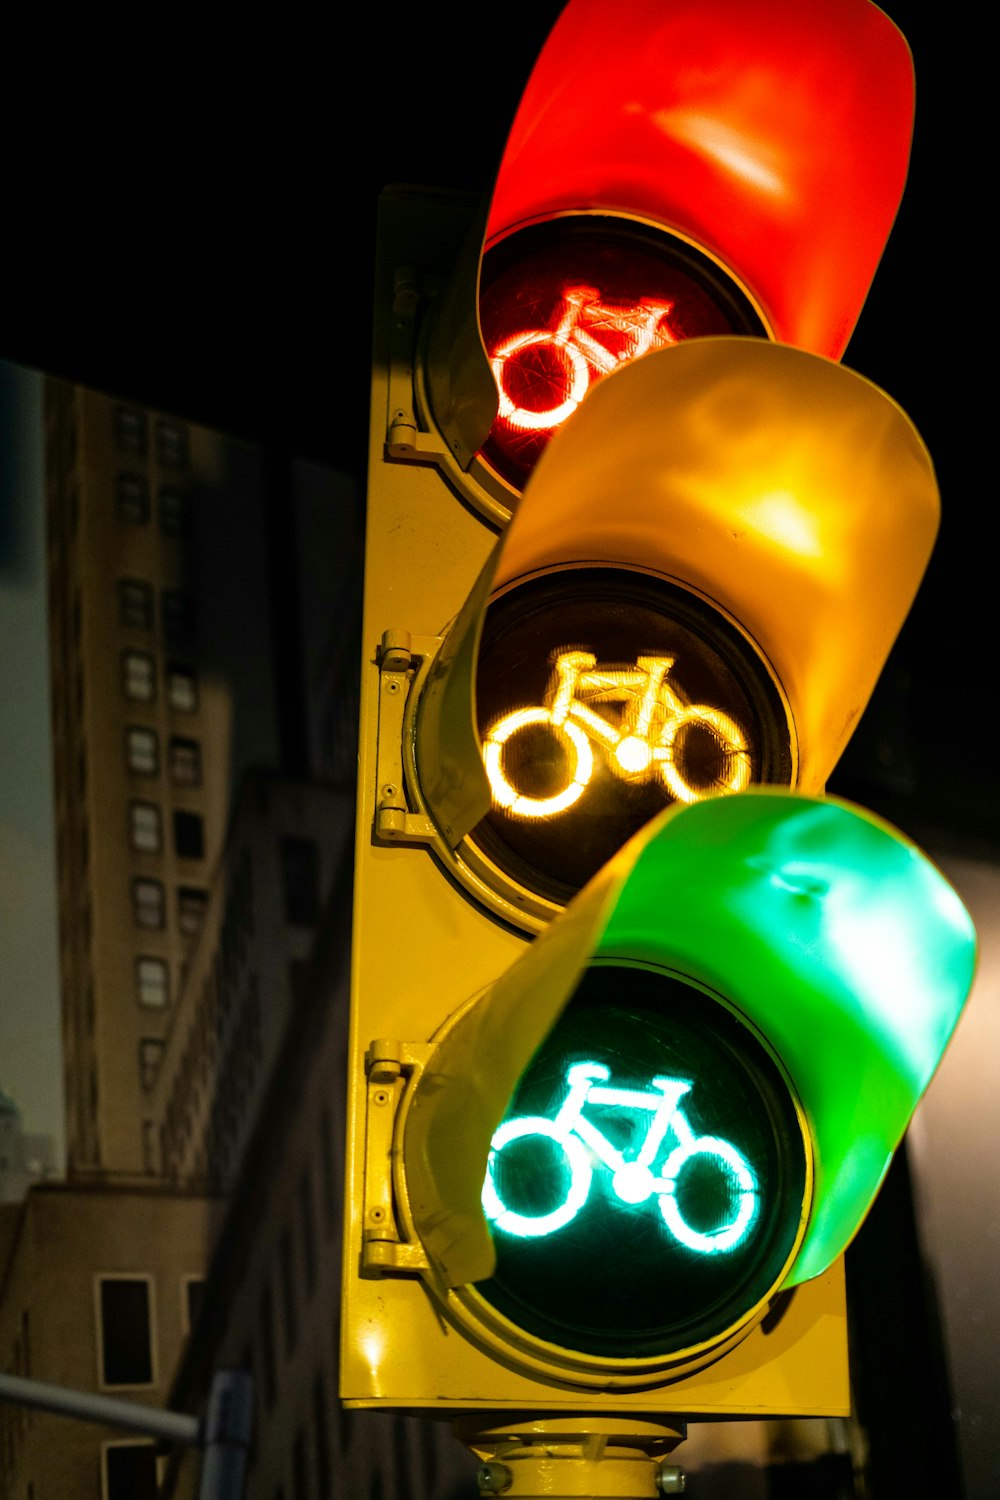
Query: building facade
{"x": 99, "y": 1287}
{"x": 161, "y": 677}
{"x": 245, "y": 976}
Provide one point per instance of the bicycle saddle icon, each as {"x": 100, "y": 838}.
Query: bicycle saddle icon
{"x": 649, "y": 742}
{"x": 580, "y": 354}
{"x": 586, "y": 1148}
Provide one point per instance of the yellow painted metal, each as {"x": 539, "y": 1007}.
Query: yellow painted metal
{"x": 785, "y": 489}
{"x": 421, "y": 948}
{"x": 584, "y": 1457}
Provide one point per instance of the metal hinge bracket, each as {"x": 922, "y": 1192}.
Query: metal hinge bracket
{"x": 405, "y": 439}
{"x": 398, "y": 655}
{"x": 390, "y": 1065}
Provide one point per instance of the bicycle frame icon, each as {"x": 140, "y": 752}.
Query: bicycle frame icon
{"x": 634, "y": 1182}
{"x": 579, "y": 351}
{"x": 649, "y": 741}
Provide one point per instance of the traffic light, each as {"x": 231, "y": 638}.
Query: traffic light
{"x": 638, "y": 1015}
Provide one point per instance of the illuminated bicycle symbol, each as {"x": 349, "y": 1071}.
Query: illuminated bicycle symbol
{"x": 651, "y": 740}
{"x": 633, "y": 1182}
{"x": 580, "y": 354}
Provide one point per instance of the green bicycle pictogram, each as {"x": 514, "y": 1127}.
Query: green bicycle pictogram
{"x": 633, "y": 1182}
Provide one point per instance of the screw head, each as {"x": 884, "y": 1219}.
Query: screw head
{"x": 494, "y": 1478}
{"x": 670, "y": 1479}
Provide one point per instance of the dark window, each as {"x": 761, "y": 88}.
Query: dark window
{"x": 267, "y": 1355}
{"x": 321, "y": 1437}
{"x": 328, "y": 1175}
{"x": 131, "y": 433}
{"x": 135, "y": 604}
{"x": 147, "y": 904}
{"x": 300, "y": 1468}
{"x": 182, "y": 688}
{"x": 193, "y": 1289}
{"x": 307, "y": 1217}
{"x": 177, "y": 613}
{"x": 151, "y": 1051}
{"x": 171, "y": 444}
{"x": 300, "y": 881}
{"x": 142, "y": 750}
{"x": 189, "y": 835}
{"x": 126, "y": 1338}
{"x": 174, "y": 511}
{"x": 132, "y": 498}
{"x": 130, "y": 1471}
{"x": 191, "y": 903}
{"x": 138, "y": 676}
{"x": 288, "y": 1307}
{"x": 185, "y": 761}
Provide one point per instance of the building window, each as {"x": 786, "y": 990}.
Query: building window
{"x": 152, "y": 982}
{"x": 189, "y": 835}
{"x": 145, "y": 832}
{"x": 289, "y": 1310}
{"x": 142, "y": 750}
{"x": 269, "y": 1364}
{"x": 148, "y": 907}
{"x": 130, "y": 1471}
{"x": 135, "y": 604}
{"x": 182, "y": 688}
{"x": 131, "y": 433}
{"x": 185, "y": 761}
{"x": 307, "y": 1219}
{"x": 171, "y": 444}
{"x": 300, "y": 1469}
{"x": 138, "y": 676}
{"x": 132, "y": 499}
{"x": 321, "y": 1436}
{"x": 194, "y": 1287}
{"x": 191, "y": 904}
{"x": 151, "y": 1050}
{"x": 300, "y": 881}
{"x": 177, "y": 613}
{"x": 126, "y": 1338}
{"x": 174, "y": 511}
{"x": 328, "y": 1174}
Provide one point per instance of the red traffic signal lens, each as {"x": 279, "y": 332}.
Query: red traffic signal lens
{"x": 564, "y": 304}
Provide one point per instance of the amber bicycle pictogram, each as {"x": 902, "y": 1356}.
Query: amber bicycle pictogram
{"x": 651, "y": 740}
{"x": 590, "y": 339}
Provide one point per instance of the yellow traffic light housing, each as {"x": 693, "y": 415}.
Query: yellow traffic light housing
{"x": 634, "y": 647}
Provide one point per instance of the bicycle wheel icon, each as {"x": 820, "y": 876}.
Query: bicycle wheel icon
{"x": 576, "y": 1171}
{"x": 734, "y": 1193}
{"x": 576, "y": 749}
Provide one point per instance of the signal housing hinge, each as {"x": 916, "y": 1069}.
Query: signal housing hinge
{"x": 398, "y": 655}
{"x": 390, "y": 1065}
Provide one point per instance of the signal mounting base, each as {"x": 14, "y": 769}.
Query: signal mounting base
{"x": 586, "y": 1458}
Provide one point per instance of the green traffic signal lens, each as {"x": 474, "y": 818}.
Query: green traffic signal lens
{"x": 649, "y": 1181}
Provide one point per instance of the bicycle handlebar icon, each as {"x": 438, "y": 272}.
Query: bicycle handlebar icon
{"x": 648, "y": 742}
{"x": 633, "y": 1182}
{"x": 579, "y": 351}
